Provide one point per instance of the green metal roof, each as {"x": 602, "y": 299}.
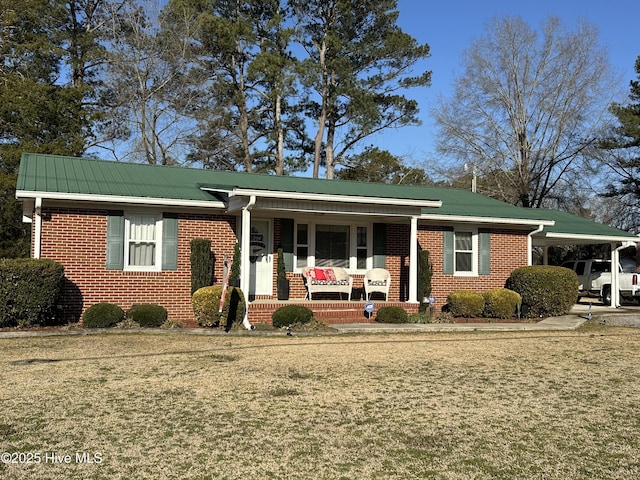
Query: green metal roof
{"x": 468, "y": 204}
{"x": 51, "y": 173}
{"x": 61, "y": 175}
{"x": 568, "y": 225}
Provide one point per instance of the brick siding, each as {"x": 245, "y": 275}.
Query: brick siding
{"x": 76, "y": 238}
{"x": 508, "y": 251}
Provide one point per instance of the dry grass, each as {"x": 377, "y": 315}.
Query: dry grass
{"x": 443, "y": 406}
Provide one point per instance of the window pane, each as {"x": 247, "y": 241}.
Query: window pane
{"x": 301, "y": 257}
{"x": 142, "y": 240}
{"x": 463, "y": 262}
{"x": 142, "y": 228}
{"x": 332, "y": 246}
{"x": 302, "y": 234}
{"x": 362, "y": 258}
{"x": 464, "y": 241}
{"x": 362, "y": 236}
{"x": 142, "y": 254}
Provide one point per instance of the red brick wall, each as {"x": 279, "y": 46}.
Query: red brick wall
{"x": 508, "y": 251}
{"x": 77, "y": 239}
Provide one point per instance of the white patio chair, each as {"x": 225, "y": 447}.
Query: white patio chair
{"x": 377, "y": 280}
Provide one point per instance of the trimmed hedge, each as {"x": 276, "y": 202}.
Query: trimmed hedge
{"x": 206, "y": 306}
{"x": 392, "y": 315}
{"x": 501, "y": 303}
{"x": 465, "y": 303}
{"x": 102, "y": 315}
{"x": 202, "y": 263}
{"x": 290, "y": 314}
{"x": 147, "y": 315}
{"x": 546, "y": 290}
{"x": 29, "y": 291}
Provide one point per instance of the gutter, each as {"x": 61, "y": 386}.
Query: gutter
{"x": 119, "y": 199}
{"x": 325, "y": 197}
{"x": 485, "y": 220}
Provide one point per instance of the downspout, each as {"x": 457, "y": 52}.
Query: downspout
{"x": 530, "y": 243}
{"x": 37, "y": 234}
{"x": 245, "y": 246}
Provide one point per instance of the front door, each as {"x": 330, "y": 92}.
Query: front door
{"x": 261, "y": 258}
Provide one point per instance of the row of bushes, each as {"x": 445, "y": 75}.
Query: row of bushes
{"x": 105, "y": 315}
{"x": 497, "y": 303}
{"x": 533, "y": 291}
{"x": 538, "y": 291}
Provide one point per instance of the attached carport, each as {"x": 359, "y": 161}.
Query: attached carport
{"x": 573, "y": 230}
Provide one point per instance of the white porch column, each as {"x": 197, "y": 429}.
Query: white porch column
{"x": 615, "y": 276}
{"x": 245, "y": 246}
{"x": 413, "y": 261}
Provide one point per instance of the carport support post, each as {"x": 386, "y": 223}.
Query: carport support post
{"x": 615, "y": 275}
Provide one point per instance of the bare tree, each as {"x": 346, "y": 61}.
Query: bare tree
{"x": 526, "y": 108}
{"x": 151, "y": 100}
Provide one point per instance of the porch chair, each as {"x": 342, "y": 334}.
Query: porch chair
{"x": 377, "y": 280}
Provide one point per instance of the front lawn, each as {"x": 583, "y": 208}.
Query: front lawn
{"x": 174, "y": 405}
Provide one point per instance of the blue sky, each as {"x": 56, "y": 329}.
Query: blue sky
{"x": 450, "y": 27}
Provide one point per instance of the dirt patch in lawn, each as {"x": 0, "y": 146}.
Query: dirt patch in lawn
{"x": 446, "y": 406}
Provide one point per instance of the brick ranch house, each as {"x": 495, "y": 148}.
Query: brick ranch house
{"x": 122, "y": 232}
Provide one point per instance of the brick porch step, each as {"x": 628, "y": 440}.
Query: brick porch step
{"x": 331, "y": 312}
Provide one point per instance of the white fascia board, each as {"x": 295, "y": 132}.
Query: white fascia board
{"x": 592, "y": 238}
{"x": 485, "y": 220}
{"x": 331, "y": 198}
{"x": 83, "y": 197}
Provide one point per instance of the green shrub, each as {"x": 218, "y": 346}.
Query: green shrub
{"x": 425, "y": 272}
{"x": 501, "y": 303}
{"x": 290, "y": 314}
{"x": 206, "y": 306}
{"x": 465, "y": 303}
{"x": 102, "y": 315}
{"x": 29, "y": 291}
{"x": 147, "y": 315}
{"x": 392, "y": 315}
{"x": 202, "y": 263}
{"x": 234, "y": 274}
{"x": 545, "y": 290}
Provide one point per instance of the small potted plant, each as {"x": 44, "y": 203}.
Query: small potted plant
{"x": 282, "y": 280}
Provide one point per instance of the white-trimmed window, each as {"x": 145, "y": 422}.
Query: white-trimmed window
{"x": 334, "y": 245}
{"x": 467, "y": 252}
{"x": 142, "y": 242}
{"x": 464, "y": 253}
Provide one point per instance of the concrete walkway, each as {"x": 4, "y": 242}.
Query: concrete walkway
{"x": 579, "y": 314}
